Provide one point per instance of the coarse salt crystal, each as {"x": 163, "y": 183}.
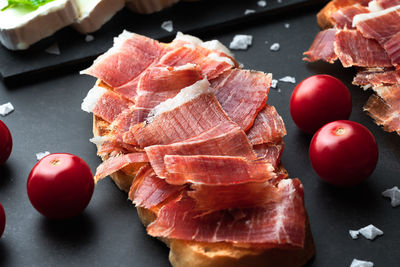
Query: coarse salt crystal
{"x": 370, "y": 232}
{"x": 394, "y": 195}
{"x": 287, "y": 25}
{"x": 274, "y": 83}
{"x": 288, "y": 79}
{"x": 41, "y": 155}
{"x": 359, "y": 263}
{"x": 279, "y": 1}
{"x": 354, "y": 234}
{"x": 89, "y": 38}
{"x": 168, "y": 26}
{"x": 275, "y": 47}
{"x": 249, "y": 11}
{"x": 6, "y": 109}
{"x": 262, "y": 3}
{"x": 54, "y": 49}
{"x": 241, "y": 42}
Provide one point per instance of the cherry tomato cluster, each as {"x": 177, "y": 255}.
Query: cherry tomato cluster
{"x": 342, "y": 152}
{"x": 59, "y": 186}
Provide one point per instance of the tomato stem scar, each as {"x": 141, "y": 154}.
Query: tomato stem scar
{"x": 340, "y": 131}
{"x": 55, "y": 162}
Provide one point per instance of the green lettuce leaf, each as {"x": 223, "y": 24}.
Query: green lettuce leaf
{"x": 31, "y": 4}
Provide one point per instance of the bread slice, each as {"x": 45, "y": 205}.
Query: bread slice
{"x": 199, "y": 254}
{"x": 324, "y": 18}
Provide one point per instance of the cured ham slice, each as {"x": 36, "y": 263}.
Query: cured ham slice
{"x": 231, "y": 141}
{"x": 377, "y": 77}
{"x": 148, "y": 190}
{"x": 268, "y": 127}
{"x": 216, "y": 170}
{"x": 213, "y": 198}
{"x": 279, "y": 223}
{"x": 323, "y": 47}
{"x": 270, "y": 152}
{"x": 190, "y": 113}
{"x": 388, "y": 3}
{"x": 158, "y": 84}
{"x": 117, "y": 163}
{"x": 211, "y": 67}
{"x": 390, "y": 94}
{"x": 130, "y": 56}
{"x": 383, "y": 114}
{"x": 392, "y": 48}
{"x": 242, "y": 94}
{"x": 129, "y": 117}
{"x": 353, "y": 49}
{"x": 344, "y": 16}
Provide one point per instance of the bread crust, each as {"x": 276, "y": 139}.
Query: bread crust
{"x": 324, "y": 17}
{"x": 200, "y": 254}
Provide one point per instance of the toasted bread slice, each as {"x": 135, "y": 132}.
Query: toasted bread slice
{"x": 324, "y": 17}
{"x": 199, "y": 254}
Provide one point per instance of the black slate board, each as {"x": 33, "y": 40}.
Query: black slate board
{"x": 190, "y": 17}
{"x": 108, "y": 233}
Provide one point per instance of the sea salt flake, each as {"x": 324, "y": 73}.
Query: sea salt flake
{"x": 275, "y": 47}
{"x": 54, "y": 49}
{"x": 262, "y": 3}
{"x": 241, "y": 42}
{"x": 288, "y": 79}
{"x": 89, "y": 38}
{"x": 370, "y": 232}
{"x": 359, "y": 263}
{"x": 287, "y": 25}
{"x": 249, "y": 11}
{"x": 279, "y": 1}
{"x": 168, "y": 26}
{"x": 354, "y": 234}
{"x": 6, "y": 109}
{"x": 274, "y": 83}
{"x": 41, "y": 155}
{"x": 393, "y": 194}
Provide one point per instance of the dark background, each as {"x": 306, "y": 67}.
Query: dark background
{"x": 108, "y": 233}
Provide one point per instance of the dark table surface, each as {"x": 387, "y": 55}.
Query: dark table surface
{"x": 108, "y": 233}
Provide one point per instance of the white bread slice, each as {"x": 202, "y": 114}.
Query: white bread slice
{"x": 19, "y": 28}
{"x": 94, "y": 13}
{"x": 149, "y": 6}
{"x": 200, "y": 254}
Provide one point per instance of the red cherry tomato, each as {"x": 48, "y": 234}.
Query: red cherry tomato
{"x": 2, "y": 220}
{"x": 318, "y": 100}
{"x": 343, "y": 153}
{"x": 5, "y": 143}
{"x": 60, "y": 186}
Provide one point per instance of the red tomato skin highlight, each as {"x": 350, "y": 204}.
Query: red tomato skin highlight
{"x": 318, "y": 100}
{"x": 60, "y": 186}
{"x": 2, "y": 220}
{"x": 5, "y": 143}
{"x": 343, "y": 153}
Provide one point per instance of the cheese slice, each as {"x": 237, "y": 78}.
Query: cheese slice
{"x": 21, "y": 27}
{"x": 94, "y": 13}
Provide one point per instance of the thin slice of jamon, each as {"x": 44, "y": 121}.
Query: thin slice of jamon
{"x": 213, "y": 198}
{"x": 353, "y": 49}
{"x": 270, "y": 152}
{"x": 216, "y": 170}
{"x": 279, "y": 223}
{"x": 242, "y": 94}
{"x": 148, "y": 190}
{"x": 383, "y": 114}
{"x": 377, "y": 77}
{"x": 130, "y": 56}
{"x": 129, "y": 117}
{"x": 323, "y": 47}
{"x": 158, "y": 84}
{"x": 190, "y": 113}
{"x": 344, "y": 16}
{"x": 229, "y": 140}
{"x": 390, "y": 94}
{"x": 392, "y": 48}
{"x": 210, "y": 67}
{"x": 114, "y": 164}
{"x": 268, "y": 127}
{"x": 388, "y": 3}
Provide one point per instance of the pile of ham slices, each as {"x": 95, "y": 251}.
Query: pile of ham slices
{"x": 204, "y": 144}
{"x": 367, "y": 35}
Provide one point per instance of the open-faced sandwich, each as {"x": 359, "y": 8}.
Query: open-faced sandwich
{"x": 365, "y": 34}
{"x": 190, "y": 136}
